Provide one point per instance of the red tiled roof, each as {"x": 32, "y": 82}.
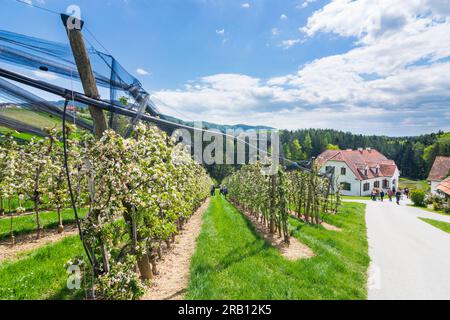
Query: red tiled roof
{"x": 360, "y": 160}
{"x": 444, "y": 186}
{"x": 440, "y": 169}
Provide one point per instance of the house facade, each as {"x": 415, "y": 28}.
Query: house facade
{"x": 360, "y": 171}
{"x": 439, "y": 171}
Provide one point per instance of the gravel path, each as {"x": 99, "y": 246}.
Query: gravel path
{"x": 173, "y": 279}
{"x": 410, "y": 258}
{"x": 28, "y": 242}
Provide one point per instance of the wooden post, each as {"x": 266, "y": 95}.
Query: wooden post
{"x": 85, "y": 70}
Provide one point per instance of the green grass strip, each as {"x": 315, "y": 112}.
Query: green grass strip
{"x": 233, "y": 262}
{"x": 27, "y": 224}
{"x": 444, "y": 226}
{"x": 40, "y": 274}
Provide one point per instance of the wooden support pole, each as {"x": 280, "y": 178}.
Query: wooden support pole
{"x": 73, "y": 27}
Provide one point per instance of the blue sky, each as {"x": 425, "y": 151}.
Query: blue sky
{"x": 366, "y": 66}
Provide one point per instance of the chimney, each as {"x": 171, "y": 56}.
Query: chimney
{"x": 360, "y": 150}
{"x": 369, "y": 149}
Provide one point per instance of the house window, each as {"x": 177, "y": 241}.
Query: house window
{"x": 376, "y": 184}
{"x": 366, "y": 187}
{"x": 386, "y": 184}
{"x": 345, "y": 186}
{"x": 329, "y": 169}
{"x": 343, "y": 171}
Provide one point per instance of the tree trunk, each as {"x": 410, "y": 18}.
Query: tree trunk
{"x": 105, "y": 257}
{"x": 13, "y": 239}
{"x": 153, "y": 263}
{"x": 145, "y": 268}
{"x": 2, "y": 207}
{"x": 60, "y": 222}
{"x": 36, "y": 210}
{"x": 272, "y": 204}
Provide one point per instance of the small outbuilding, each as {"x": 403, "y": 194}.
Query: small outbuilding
{"x": 439, "y": 171}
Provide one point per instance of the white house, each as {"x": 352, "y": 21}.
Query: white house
{"x": 439, "y": 171}
{"x": 360, "y": 171}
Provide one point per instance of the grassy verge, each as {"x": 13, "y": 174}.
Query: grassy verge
{"x": 27, "y": 224}
{"x": 40, "y": 274}
{"x": 414, "y": 184}
{"x": 429, "y": 210}
{"x": 355, "y": 198}
{"x": 444, "y": 226}
{"x": 233, "y": 262}
{"x": 19, "y": 135}
{"x": 38, "y": 119}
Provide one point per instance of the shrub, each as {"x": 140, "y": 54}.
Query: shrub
{"x": 418, "y": 198}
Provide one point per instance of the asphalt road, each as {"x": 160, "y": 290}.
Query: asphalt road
{"x": 410, "y": 258}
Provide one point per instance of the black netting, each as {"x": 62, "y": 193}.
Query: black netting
{"x": 125, "y": 91}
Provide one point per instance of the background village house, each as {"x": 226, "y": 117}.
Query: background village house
{"x": 439, "y": 171}
{"x": 360, "y": 171}
{"x": 444, "y": 188}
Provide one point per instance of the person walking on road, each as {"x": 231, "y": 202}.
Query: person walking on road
{"x": 225, "y": 192}
{"x": 213, "y": 191}
{"x": 373, "y": 195}
{"x": 398, "y": 195}
{"x": 390, "y": 194}
{"x": 406, "y": 191}
{"x": 382, "y": 194}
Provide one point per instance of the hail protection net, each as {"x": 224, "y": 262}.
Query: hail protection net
{"x": 53, "y": 59}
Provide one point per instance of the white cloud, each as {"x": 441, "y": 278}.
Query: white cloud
{"x": 305, "y": 4}
{"x": 287, "y": 44}
{"x": 393, "y": 81}
{"x": 220, "y": 32}
{"x": 275, "y": 31}
{"x": 31, "y": 2}
{"x": 142, "y": 72}
{"x": 45, "y": 75}
{"x": 283, "y": 17}
{"x": 245, "y": 5}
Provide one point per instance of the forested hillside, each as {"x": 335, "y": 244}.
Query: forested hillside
{"x": 413, "y": 155}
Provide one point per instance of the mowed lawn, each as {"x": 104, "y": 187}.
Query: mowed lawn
{"x": 27, "y": 223}
{"x": 40, "y": 274}
{"x": 414, "y": 184}
{"x": 444, "y": 226}
{"x": 35, "y": 118}
{"x": 233, "y": 262}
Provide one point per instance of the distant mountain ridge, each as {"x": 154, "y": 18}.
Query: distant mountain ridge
{"x": 220, "y": 127}
{"x": 207, "y": 125}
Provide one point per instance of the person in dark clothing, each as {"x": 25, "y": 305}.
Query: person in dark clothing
{"x": 382, "y": 194}
{"x": 213, "y": 191}
{"x": 406, "y": 191}
{"x": 225, "y": 192}
{"x": 398, "y": 196}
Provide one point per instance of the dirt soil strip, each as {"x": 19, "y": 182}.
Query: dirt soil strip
{"x": 173, "y": 277}
{"x": 28, "y": 242}
{"x": 294, "y": 251}
{"x": 327, "y": 226}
